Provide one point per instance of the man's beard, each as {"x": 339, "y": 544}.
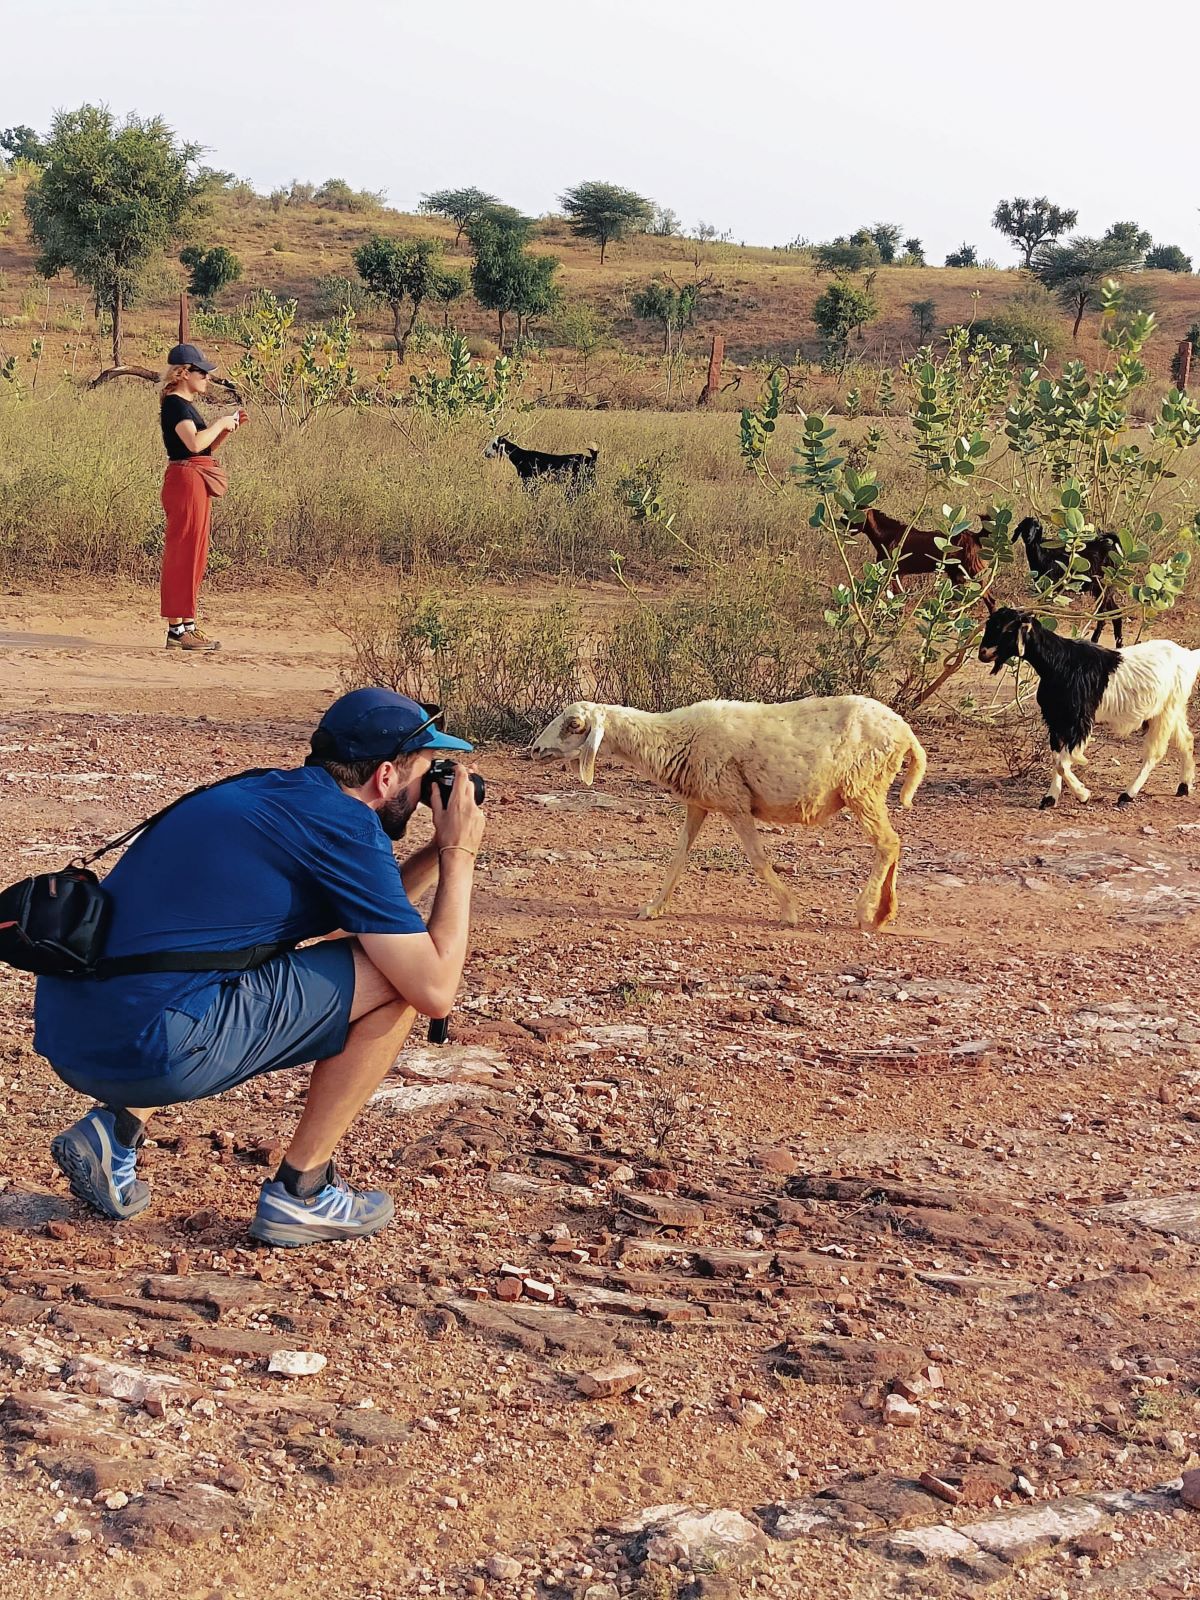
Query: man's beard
{"x": 394, "y": 814}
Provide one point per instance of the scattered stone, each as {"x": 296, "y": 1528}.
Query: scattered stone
{"x": 1189, "y": 1490}
{"x": 59, "y": 1228}
{"x": 940, "y": 1488}
{"x": 297, "y": 1363}
{"x": 600, "y": 1383}
{"x": 899, "y": 1413}
{"x": 503, "y": 1568}
{"x": 509, "y": 1288}
{"x": 536, "y": 1289}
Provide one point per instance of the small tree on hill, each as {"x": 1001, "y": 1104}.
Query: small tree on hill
{"x": 886, "y": 237}
{"x": 22, "y": 144}
{"x": 840, "y": 311}
{"x": 664, "y": 224}
{"x": 113, "y": 196}
{"x": 335, "y": 194}
{"x": 1168, "y": 258}
{"x": 211, "y": 271}
{"x": 671, "y": 308}
{"x": 844, "y": 255}
{"x": 964, "y": 256}
{"x": 1032, "y": 223}
{"x": 605, "y": 213}
{"x": 1078, "y": 270}
{"x": 914, "y": 253}
{"x": 449, "y": 288}
{"x": 505, "y": 278}
{"x": 459, "y": 206}
{"x": 924, "y": 315}
{"x": 400, "y": 270}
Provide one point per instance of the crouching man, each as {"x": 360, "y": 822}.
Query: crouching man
{"x": 283, "y": 856}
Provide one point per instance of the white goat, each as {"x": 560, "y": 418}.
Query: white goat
{"x": 798, "y": 762}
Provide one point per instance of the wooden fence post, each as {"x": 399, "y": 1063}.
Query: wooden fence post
{"x": 184, "y": 330}
{"x": 715, "y": 357}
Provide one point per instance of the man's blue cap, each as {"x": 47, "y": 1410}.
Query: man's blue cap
{"x": 186, "y": 355}
{"x": 379, "y": 725}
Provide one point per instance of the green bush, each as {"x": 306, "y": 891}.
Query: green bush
{"x": 1029, "y": 315}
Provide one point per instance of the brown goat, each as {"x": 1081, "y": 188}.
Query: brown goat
{"x": 920, "y": 553}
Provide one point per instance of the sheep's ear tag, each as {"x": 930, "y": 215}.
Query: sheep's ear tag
{"x": 587, "y": 756}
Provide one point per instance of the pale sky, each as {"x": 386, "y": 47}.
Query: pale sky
{"x": 771, "y": 119}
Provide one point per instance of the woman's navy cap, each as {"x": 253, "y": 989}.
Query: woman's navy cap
{"x": 186, "y": 355}
{"x": 378, "y": 725}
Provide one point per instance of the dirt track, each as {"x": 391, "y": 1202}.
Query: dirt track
{"x": 672, "y": 1103}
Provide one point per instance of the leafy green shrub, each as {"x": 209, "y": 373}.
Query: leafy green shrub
{"x": 1026, "y": 318}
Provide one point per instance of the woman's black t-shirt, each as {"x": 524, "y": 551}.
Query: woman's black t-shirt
{"x": 175, "y": 409}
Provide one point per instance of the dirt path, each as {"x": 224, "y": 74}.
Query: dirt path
{"x": 780, "y": 1173}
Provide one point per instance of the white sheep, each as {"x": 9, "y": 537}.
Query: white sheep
{"x": 802, "y": 761}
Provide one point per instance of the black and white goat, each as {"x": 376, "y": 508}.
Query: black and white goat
{"x": 1050, "y": 561}
{"x": 1082, "y": 686}
{"x": 574, "y": 469}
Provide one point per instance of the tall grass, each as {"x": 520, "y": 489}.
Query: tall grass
{"x": 81, "y": 472}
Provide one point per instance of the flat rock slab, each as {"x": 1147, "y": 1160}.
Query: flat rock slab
{"x": 222, "y": 1292}
{"x": 1020, "y": 1535}
{"x": 1177, "y": 1214}
{"x": 32, "y": 1208}
{"x": 193, "y": 1514}
{"x": 667, "y": 1210}
{"x": 409, "y": 1099}
{"x": 846, "y": 1362}
{"x": 890, "y": 1501}
{"x": 533, "y": 1328}
{"x": 702, "y": 1539}
{"x": 452, "y": 1063}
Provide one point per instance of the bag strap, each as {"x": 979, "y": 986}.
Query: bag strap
{"x": 132, "y": 833}
{"x": 192, "y": 960}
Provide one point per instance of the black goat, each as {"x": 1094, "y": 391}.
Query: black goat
{"x": 1050, "y": 561}
{"x": 574, "y": 470}
{"x": 1081, "y": 686}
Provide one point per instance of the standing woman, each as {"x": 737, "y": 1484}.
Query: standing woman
{"x": 193, "y": 480}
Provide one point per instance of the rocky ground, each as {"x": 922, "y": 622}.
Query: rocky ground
{"x": 729, "y": 1259}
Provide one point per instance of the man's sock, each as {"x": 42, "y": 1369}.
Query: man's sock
{"x": 303, "y": 1184}
{"x": 127, "y": 1128}
{"x": 175, "y": 629}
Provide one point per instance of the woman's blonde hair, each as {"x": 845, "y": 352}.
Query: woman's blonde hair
{"x": 174, "y": 377}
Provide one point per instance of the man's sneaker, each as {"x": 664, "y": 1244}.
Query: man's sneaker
{"x": 191, "y": 639}
{"x": 100, "y": 1169}
{"x": 335, "y": 1212}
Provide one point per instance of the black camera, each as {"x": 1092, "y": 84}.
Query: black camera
{"x": 442, "y": 773}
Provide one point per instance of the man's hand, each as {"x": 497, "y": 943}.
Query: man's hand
{"x": 461, "y": 823}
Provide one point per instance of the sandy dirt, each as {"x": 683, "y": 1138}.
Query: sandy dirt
{"x": 800, "y": 1180}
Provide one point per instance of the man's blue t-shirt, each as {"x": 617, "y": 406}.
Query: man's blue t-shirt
{"x": 280, "y": 856}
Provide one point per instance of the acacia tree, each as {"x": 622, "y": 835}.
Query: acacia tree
{"x": 1032, "y": 223}
{"x": 211, "y": 271}
{"x": 399, "y": 270}
{"x": 1077, "y": 271}
{"x": 449, "y": 288}
{"x": 604, "y": 212}
{"x": 1168, "y": 258}
{"x": 459, "y": 206}
{"x": 22, "y": 144}
{"x": 964, "y": 256}
{"x": 111, "y": 199}
{"x": 505, "y": 278}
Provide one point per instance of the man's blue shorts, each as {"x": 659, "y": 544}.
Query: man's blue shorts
{"x": 293, "y": 1009}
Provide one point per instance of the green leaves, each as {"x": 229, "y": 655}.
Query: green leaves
{"x": 465, "y": 389}
{"x": 758, "y": 425}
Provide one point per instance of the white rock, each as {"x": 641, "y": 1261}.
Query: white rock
{"x": 504, "y": 1568}
{"x": 899, "y": 1413}
{"x": 296, "y": 1363}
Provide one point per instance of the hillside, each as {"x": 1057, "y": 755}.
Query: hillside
{"x": 759, "y": 299}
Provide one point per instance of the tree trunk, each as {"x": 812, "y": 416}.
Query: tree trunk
{"x": 500, "y": 319}
{"x": 1029, "y": 249}
{"x": 118, "y": 307}
{"x": 1082, "y": 307}
{"x": 603, "y": 247}
{"x": 412, "y": 322}
{"x": 397, "y": 336}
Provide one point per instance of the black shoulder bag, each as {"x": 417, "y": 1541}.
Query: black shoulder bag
{"x": 56, "y": 923}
